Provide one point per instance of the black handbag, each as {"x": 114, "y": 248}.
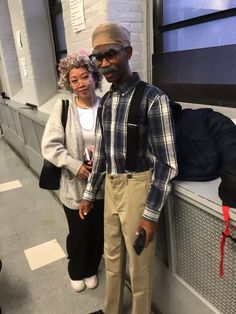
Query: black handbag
{"x": 50, "y": 174}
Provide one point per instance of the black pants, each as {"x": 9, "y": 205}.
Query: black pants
{"x": 85, "y": 241}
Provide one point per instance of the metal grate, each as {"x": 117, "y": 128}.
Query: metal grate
{"x": 197, "y": 243}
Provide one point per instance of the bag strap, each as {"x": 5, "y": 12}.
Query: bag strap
{"x": 64, "y": 113}
{"x": 103, "y": 99}
{"x": 99, "y": 112}
{"x": 225, "y": 234}
{"x": 132, "y": 127}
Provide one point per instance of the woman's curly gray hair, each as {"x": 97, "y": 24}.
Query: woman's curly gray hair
{"x": 77, "y": 60}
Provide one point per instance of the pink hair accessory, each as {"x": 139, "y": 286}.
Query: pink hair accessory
{"x": 83, "y": 52}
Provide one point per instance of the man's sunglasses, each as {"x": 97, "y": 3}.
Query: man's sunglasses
{"x": 110, "y": 55}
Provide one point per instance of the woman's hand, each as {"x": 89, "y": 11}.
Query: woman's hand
{"x": 84, "y": 171}
{"x": 91, "y": 148}
{"x": 84, "y": 208}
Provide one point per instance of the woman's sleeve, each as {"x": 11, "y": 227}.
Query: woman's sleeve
{"x": 53, "y": 147}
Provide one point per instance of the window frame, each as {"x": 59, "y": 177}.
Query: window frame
{"x": 169, "y": 66}
{"x": 55, "y": 8}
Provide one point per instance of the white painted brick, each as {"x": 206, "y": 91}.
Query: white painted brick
{"x": 121, "y": 6}
{"x": 37, "y": 48}
{"x": 136, "y": 7}
{"x": 136, "y": 37}
{"x": 131, "y": 16}
{"x": 136, "y": 27}
{"x": 9, "y": 68}
{"x": 24, "y": 16}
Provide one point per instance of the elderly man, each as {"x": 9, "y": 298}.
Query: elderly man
{"x": 135, "y": 192}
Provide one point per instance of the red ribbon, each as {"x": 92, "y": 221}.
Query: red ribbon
{"x": 225, "y": 234}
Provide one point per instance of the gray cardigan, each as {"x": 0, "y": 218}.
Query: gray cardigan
{"x": 65, "y": 150}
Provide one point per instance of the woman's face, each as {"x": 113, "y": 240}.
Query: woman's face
{"x": 82, "y": 82}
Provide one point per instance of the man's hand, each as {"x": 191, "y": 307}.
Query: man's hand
{"x": 84, "y": 208}
{"x": 150, "y": 228}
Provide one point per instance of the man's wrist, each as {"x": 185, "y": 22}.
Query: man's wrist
{"x": 90, "y": 197}
{"x": 151, "y": 216}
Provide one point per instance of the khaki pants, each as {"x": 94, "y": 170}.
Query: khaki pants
{"x": 125, "y": 199}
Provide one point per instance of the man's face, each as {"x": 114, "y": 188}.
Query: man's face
{"x": 113, "y": 61}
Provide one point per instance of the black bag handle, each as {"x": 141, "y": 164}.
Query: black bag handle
{"x": 50, "y": 174}
{"x": 64, "y": 113}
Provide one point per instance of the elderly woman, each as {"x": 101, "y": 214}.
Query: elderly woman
{"x": 66, "y": 149}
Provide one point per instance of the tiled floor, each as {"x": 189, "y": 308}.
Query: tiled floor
{"x": 29, "y": 217}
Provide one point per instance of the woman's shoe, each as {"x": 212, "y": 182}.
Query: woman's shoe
{"x": 77, "y": 285}
{"x": 91, "y": 282}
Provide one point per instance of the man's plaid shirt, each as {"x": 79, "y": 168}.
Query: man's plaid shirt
{"x": 156, "y": 149}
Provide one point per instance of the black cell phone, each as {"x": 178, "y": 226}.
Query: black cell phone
{"x": 140, "y": 242}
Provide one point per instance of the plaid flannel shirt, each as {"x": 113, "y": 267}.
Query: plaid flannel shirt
{"x": 156, "y": 149}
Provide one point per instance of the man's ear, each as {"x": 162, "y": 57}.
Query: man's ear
{"x": 129, "y": 51}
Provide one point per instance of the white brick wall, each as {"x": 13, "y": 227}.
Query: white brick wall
{"x": 9, "y": 68}
{"x": 31, "y": 18}
{"x": 129, "y": 13}
{"x": 92, "y": 17}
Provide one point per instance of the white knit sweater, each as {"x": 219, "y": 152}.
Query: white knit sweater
{"x": 66, "y": 150}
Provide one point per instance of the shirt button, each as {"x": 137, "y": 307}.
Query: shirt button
{"x": 112, "y": 177}
{"x": 129, "y": 175}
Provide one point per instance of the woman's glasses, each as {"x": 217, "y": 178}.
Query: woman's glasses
{"x": 110, "y": 55}
{"x": 84, "y": 79}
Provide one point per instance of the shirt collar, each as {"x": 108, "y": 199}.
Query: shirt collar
{"x": 128, "y": 85}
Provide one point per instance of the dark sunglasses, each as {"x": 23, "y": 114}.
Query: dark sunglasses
{"x": 110, "y": 55}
